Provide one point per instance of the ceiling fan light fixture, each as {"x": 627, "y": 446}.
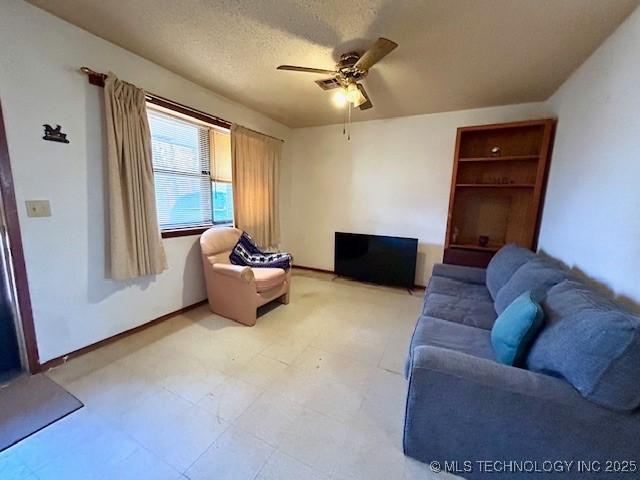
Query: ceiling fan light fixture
{"x": 340, "y": 98}
{"x": 354, "y": 97}
{"x": 352, "y": 67}
{"x": 360, "y": 99}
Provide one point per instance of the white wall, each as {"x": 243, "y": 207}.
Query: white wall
{"x": 392, "y": 178}
{"x": 591, "y": 216}
{"x": 73, "y": 304}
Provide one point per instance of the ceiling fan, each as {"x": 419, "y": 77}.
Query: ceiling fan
{"x": 347, "y": 74}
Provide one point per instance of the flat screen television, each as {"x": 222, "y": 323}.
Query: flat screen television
{"x": 376, "y": 258}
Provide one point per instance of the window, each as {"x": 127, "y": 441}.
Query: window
{"x": 192, "y": 169}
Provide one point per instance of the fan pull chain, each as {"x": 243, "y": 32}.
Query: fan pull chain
{"x": 349, "y": 124}
{"x": 344, "y": 122}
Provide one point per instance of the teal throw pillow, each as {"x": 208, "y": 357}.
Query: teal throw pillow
{"x": 515, "y": 329}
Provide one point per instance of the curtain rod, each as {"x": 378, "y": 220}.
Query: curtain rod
{"x": 97, "y": 78}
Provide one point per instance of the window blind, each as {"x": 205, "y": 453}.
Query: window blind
{"x": 181, "y": 153}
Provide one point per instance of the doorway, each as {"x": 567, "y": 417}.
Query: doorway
{"x": 18, "y": 349}
{"x": 10, "y": 363}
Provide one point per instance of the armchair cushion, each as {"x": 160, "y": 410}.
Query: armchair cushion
{"x": 268, "y": 278}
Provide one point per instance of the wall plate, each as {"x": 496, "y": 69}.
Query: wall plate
{"x": 38, "y": 208}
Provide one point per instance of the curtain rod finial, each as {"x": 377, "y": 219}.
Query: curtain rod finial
{"x": 95, "y": 78}
{"x": 91, "y": 72}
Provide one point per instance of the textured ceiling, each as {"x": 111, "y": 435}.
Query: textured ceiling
{"x": 453, "y": 54}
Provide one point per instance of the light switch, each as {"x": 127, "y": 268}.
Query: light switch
{"x": 38, "y": 208}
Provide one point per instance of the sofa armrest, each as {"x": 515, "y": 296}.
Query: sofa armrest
{"x": 465, "y": 408}
{"x": 239, "y": 272}
{"x": 487, "y": 372}
{"x": 458, "y": 272}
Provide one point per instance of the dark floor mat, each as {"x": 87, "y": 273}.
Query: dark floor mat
{"x": 30, "y": 403}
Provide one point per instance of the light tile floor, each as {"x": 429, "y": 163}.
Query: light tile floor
{"x": 314, "y": 391}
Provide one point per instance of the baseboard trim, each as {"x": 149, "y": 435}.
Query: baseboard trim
{"x": 76, "y": 353}
{"x": 314, "y": 269}
{"x": 322, "y": 270}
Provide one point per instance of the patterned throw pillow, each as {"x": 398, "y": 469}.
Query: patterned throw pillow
{"x": 247, "y": 253}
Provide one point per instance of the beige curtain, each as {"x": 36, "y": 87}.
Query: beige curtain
{"x": 135, "y": 245}
{"x": 255, "y": 163}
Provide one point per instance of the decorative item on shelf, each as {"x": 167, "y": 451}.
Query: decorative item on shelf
{"x": 496, "y": 151}
{"x": 488, "y": 180}
{"x": 483, "y": 240}
{"x": 455, "y": 235}
{"x": 54, "y": 134}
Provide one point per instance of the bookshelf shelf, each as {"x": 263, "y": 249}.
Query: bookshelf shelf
{"x": 496, "y": 185}
{"x": 488, "y": 248}
{"x": 501, "y": 158}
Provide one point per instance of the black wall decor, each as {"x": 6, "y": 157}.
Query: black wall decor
{"x": 54, "y": 134}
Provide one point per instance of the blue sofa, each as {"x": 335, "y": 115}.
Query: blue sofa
{"x": 576, "y": 401}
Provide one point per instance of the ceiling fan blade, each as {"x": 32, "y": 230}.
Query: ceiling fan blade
{"x": 377, "y": 52}
{"x": 295, "y": 68}
{"x": 367, "y": 103}
{"x": 329, "y": 83}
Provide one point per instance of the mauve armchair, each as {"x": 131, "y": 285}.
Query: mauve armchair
{"x": 236, "y": 291}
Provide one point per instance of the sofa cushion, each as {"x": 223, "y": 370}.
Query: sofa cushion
{"x": 504, "y": 264}
{"x": 458, "y": 288}
{"x": 458, "y": 272}
{"x": 537, "y": 275}
{"x": 515, "y": 329}
{"x": 592, "y": 343}
{"x": 268, "y": 278}
{"x": 454, "y": 336}
{"x": 466, "y": 311}
{"x": 459, "y": 301}
{"x": 569, "y": 297}
{"x": 598, "y": 353}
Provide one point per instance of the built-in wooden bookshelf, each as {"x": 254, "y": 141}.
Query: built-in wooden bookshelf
{"x": 497, "y": 189}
